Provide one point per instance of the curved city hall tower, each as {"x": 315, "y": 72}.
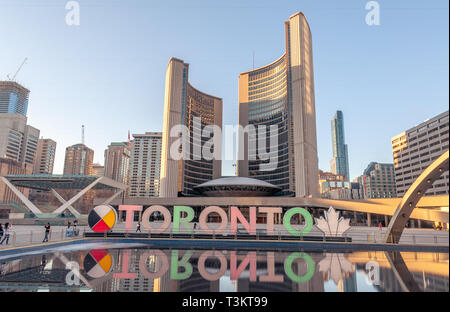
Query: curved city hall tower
{"x": 182, "y": 103}
{"x": 282, "y": 94}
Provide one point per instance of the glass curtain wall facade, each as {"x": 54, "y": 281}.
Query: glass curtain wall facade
{"x": 282, "y": 94}
{"x": 13, "y": 98}
{"x": 339, "y": 162}
{"x": 186, "y": 106}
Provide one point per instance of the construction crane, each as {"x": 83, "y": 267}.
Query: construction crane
{"x": 20, "y": 67}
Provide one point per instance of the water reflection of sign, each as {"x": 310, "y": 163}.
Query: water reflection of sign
{"x": 180, "y": 266}
{"x": 336, "y": 267}
{"x": 97, "y": 263}
{"x": 373, "y": 273}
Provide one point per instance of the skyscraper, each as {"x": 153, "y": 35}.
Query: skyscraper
{"x": 79, "y": 160}
{"x": 145, "y": 165}
{"x": 45, "y": 157}
{"x": 188, "y": 107}
{"x": 339, "y": 162}
{"x": 13, "y": 98}
{"x": 415, "y": 149}
{"x": 117, "y": 161}
{"x": 18, "y": 141}
{"x": 282, "y": 94}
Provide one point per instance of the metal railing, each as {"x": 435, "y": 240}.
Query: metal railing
{"x": 32, "y": 237}
{"x": 358, "y": 236}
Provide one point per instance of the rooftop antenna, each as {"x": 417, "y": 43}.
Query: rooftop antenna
{"x": 82, "y": 134}
{"x": 15, "y": 75}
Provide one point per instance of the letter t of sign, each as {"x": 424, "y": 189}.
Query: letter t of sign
{"x": 129, "y": 217}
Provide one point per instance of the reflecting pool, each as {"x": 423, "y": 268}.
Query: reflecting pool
{"x": 137, "y": 268}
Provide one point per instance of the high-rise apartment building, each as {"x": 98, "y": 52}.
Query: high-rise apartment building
{"x": 145, "y": 165}
{"x": 339, "y": 162}
{"x": 281, "y": 94}
{"x": 13, "y": 98}
{"x": 18, "y": 141}
{"x": 187, "y": 107}
{"x": 79, "y": 160}
{"x": 377, "y": 181}
{"x": 45, "y": 157}
{"x": 117, "y": 161}
{"x": 415, "y": 149}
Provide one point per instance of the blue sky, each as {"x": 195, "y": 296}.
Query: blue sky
{"x": 108, "y": 73}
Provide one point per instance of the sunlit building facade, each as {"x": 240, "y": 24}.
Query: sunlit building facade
{"x": 145, "y": 165}
{"x": 117, "y": 161}
{"x": 282, "y": 94}
{"x": 186, "y": 106}
{"x": 45, "y": 157}
{"x": 79, "y": 160}
{"x": 18, "y": 141}
{"x": 415, "y": 149}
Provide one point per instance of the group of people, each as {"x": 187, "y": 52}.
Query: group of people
{"x": 72, "y": 230}
{"x": 5, "y": 232}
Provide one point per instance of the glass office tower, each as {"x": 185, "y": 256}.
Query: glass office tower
{"x": 339, "y": 162}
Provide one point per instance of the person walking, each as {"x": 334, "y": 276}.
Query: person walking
{"x": 380, "y": 226}
{"x": 47, "y": 232}
{"x": 138, "y": 227}
{"x": 8, "y": 227}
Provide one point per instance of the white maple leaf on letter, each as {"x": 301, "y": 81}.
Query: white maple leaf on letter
{"x": 332, "y": 225}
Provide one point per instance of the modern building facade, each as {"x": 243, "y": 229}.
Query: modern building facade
{"x": 339, "y": 162}
{"x": 18, "y": 141}
{"x": 45, "y": 157}
{"x": 190, "y": 108}
{"x": 13, "y": 98}
{"x": 117, "y": 161}
{"x": 79, "y": 160}
{"x": 378, "y": 181}
{"x": 282, "y": 94}
{"x": 416, "y": 148}
{"x": 145, "y": 165}
{"x": 334, "y": 186}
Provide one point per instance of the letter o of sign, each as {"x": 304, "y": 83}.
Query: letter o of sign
{"x": 146, "y": 218}
{"x": 202, "y": 269}
{"x": 204, "y": 214}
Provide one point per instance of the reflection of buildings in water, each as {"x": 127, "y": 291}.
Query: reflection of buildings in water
{"x": 425, "y": 281}
{"x": 348, "y": 284}
{"x": 422, "y": 271}
{"x": 40, "y": 272}
{"x": 137, "y": 284}
{"x": 337, "y": 268}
